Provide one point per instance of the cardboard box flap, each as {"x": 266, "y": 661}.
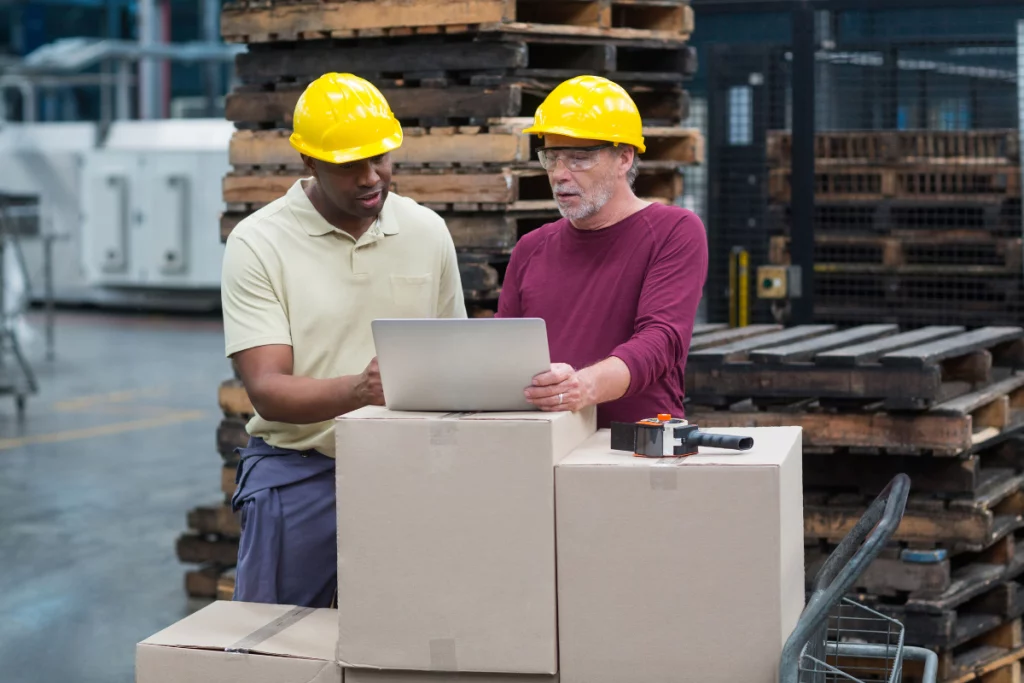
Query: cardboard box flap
{"x": 382, "y": 413}
{"x": 771, "y": 444}
{"x": 274, "y": 630}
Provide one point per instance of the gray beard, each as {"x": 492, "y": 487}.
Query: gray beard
{"x": 588, "y": 205}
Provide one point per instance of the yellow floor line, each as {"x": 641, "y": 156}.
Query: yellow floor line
{"x": 103, "y": 430}
{"x": 81, "y": 402}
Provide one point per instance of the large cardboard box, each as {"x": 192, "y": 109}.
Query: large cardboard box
{"x": 446, "y": 538}
{"x": 238, "y": 642}
{"x": 679, "y": 568}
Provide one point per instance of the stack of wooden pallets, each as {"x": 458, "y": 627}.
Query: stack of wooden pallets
{"x": 464, "y": 78}
{"x": 914, "y": 227}
{"x": 211, "y": 540}
{"x": 943, "y": 404}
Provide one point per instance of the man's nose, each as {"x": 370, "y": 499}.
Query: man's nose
{"x": 559, "y": 173}
{"x": 368, "y": 175}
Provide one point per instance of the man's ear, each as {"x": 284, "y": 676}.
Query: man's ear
{"x": 310, "y": 164}
{"x": 626, "y": 156}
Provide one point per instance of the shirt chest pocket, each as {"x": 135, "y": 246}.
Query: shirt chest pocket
{"x": 413, "y": 295}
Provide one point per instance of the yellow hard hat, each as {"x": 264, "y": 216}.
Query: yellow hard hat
{"x": 590, "y": 107}
{"x": 341, "y": 118}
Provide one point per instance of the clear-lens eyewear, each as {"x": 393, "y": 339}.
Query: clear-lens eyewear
{"x": 574, "y": 158}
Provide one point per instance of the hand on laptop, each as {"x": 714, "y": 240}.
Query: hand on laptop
{"x": 369, "y": 388}
{"x": 557, "y": 389}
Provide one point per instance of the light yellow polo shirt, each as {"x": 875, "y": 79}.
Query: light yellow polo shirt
{"x": 290, "y": 277}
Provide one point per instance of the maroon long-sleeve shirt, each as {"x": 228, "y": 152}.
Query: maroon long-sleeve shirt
{"x": 629, "y": 290}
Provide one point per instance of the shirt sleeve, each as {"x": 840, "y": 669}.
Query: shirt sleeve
{"x": 253, "y": 313}
{"x": 509, "y": 305}
{"x": 667, "y": 308}
{"x": 451, "y": 301}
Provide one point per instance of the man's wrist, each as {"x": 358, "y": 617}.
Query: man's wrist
{"x": 588, "y": 387}
{"x": 351, "y": 394}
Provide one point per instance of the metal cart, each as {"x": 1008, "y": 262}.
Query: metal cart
{"x": 838, "y": 640}
{"x": 19, "y": 218}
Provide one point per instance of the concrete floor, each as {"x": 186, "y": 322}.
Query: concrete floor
{"x": 95, "y": 485}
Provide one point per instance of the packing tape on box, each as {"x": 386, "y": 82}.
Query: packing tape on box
{"x": 442, "y": 655}
{"x": 245, "y": 645}
{"x": 663, "y": 475}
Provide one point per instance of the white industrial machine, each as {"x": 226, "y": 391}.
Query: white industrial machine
{"x": 135, "y": 215}
{"x": 152, "y": 203}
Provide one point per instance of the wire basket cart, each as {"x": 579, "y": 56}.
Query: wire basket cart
{"x": 19, "y": 217}
{"x": 837, "y": 640}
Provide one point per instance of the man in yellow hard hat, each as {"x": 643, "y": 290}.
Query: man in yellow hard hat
{"x": 617, "y": 279}
{"x": 302, "y": 280}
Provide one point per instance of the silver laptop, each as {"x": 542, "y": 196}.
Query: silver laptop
{"x": 459, "y": 364}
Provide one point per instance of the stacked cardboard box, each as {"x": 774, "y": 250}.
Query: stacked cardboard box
{"x": 464, "y": 78}
{"x": 520, "y": 547}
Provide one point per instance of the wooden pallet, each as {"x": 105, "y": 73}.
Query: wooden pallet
{"x": 869, "y": 363}
{"x": 255, "y": 21}
{"x": 195, "y": 548}
{"x": 932, "y": 182}
{"x": 855, "y": 148}
{"x": 968, "y": 422}
{"x": 986, "y": 664}
{"x": 499, "y": 142}
{"x": 990, "y": 657}
{"x": 925, "y": 252}
{"x": 461, "y": 58}
{"x": 491, "y": 231}
{"x": 843, "y": 313}
{"x": 483, "y": 190}
{"x": 868, "y": 473}
{"x": 219, "y": 520}
{"x": 257, "y": 108}
{"x": 233, "y": 400}
{"x": 997, "y": 216}
{"x": 226, "y": 584}
{"x": 943, "y": 294}
{"x": 963, "y": 524}
{"x": 202, "y": 581}
{"x": 231, "y": 434}
{"x": 934, "y": 580}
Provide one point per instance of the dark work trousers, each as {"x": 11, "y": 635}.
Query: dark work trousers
{"x": 288, "y": 553}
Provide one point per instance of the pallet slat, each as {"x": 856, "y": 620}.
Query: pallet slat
{"x": 352, "y": 18}
{"x": 499, "y": 143}
{"x": 809, "y": 348}
{"x": 484, "y": 189}
{"x": 911, "y": 147}
{"x": 461, "y": 58}
{"x": 871, "y": 350}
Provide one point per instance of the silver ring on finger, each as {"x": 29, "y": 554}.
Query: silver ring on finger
{"x": 560, "y": 399}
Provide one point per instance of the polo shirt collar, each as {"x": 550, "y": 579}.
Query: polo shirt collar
{"x": 316, "y": 225}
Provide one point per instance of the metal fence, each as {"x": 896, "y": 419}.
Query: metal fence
{"x": 879, "y": 152}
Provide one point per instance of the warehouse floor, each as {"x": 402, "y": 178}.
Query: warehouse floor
{"x": 95, "y": 485}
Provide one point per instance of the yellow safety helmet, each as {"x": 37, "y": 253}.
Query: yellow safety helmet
{"x": 590, "y": 107}
{"x": 341, "y": 118}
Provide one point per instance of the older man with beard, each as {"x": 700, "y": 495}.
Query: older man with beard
{"x": 617, "y": 279}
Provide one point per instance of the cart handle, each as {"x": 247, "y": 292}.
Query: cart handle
{"x": 844, "y": 566}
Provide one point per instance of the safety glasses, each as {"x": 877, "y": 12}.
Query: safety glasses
{"x": 574, "y": 158}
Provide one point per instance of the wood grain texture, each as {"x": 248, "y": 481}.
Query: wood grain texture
{"x": 278, "y": 106}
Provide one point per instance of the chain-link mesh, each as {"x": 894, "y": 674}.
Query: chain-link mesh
{"x": 917, "y": 186}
